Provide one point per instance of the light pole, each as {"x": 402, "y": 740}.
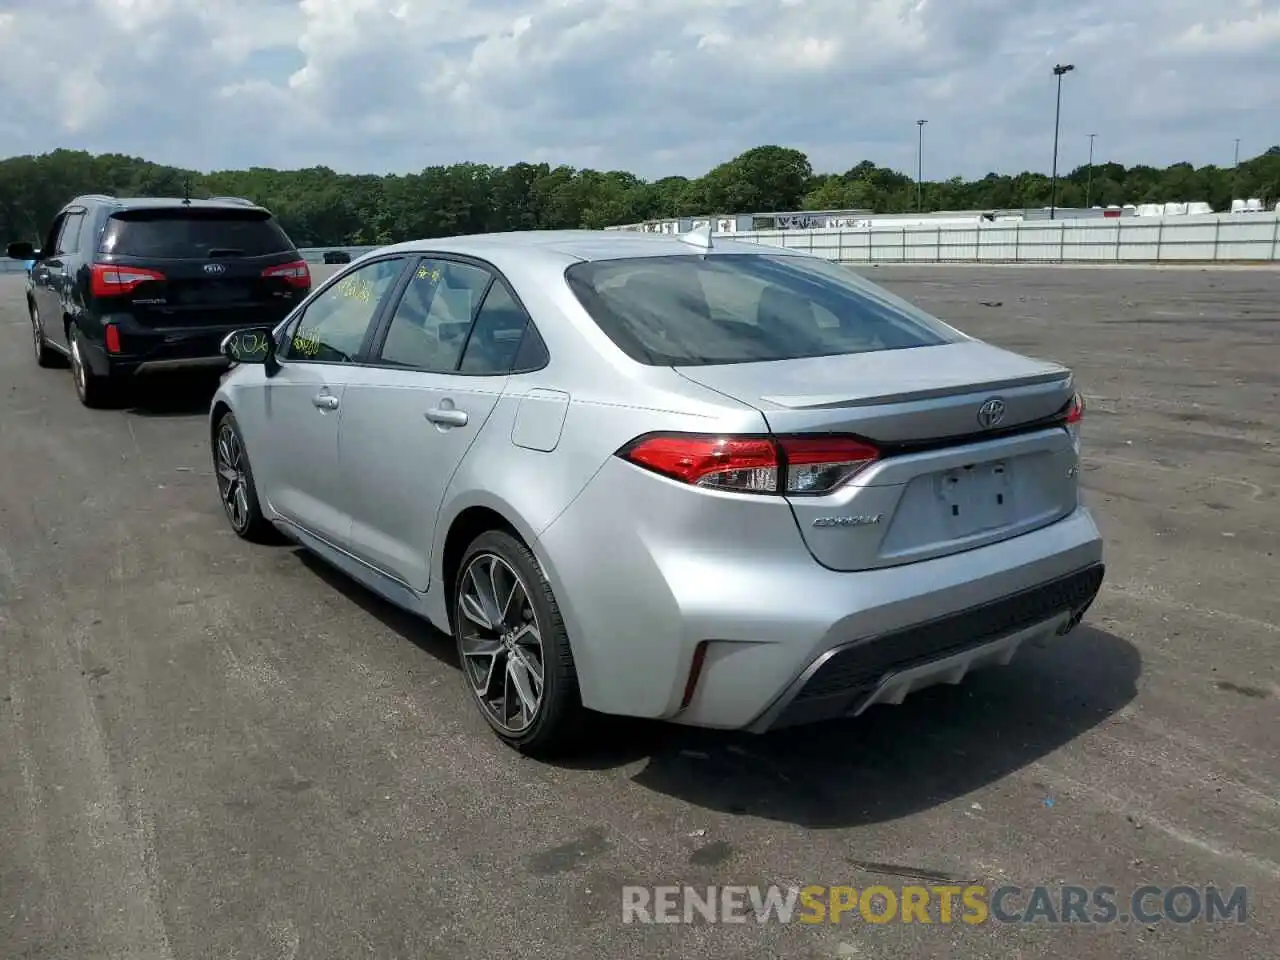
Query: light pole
{"x": 1088, "y": 190}
{"x": 1235, "y": 173}
{"x": 1058, "y": 71}
{"x": 919, "y": 162}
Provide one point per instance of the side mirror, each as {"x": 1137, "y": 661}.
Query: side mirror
{"x": 21, "y": 250}
{"x": 251, "y": 345}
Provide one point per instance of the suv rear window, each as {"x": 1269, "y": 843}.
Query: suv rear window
{"x": 193, "y": 234}
{"x": 740, "y": 308}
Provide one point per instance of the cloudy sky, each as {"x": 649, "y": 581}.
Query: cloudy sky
{"x": 652, "y": 86}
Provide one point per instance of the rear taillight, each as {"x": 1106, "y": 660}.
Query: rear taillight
{"x": 1073, "y": 414}
{"x": 296, "y": 274}
{"x": 1074, "y": 410}
{"x": 111, "y": 333}
{"x": 820, "y": 464}
{"x": 790, "y": 465}
{"x": 110, "y": 280}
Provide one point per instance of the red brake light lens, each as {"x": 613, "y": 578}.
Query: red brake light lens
{"x": 742, "y": 464}
{"x": 112, "y": 334}
{"x": 111, "y": 280}
{"x": 1074, "y": 411}
{"x": 820, "y": 464}
{"x": 296, "y": 274}
{"x": 791, "y": 465}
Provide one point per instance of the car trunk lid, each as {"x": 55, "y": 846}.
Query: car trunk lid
{"x": 973, "y": 450}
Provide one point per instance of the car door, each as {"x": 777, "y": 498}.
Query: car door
{"x": 52, "y": 277}
{"x": 440, "y": 362}
{"x": 292, "y": 433}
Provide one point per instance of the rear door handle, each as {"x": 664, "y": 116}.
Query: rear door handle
{"x": 325, "y": 401}
{"x": 447, "y": 417}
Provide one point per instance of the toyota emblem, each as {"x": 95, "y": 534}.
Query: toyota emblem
{"x": 991, "y": 413}
{"x": 214, "y": 268}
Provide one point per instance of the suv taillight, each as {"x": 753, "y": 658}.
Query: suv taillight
{"x": 788, "y": 465}
{"x": 296, "y": 274}
{"x": 110, "y": 280}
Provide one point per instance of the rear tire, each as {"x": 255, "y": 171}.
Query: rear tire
{"x": 94, "y": 391}
{"x": 46, "y": 356}
{"x": 236, "y": 489}
{"x": 508, "y": 629}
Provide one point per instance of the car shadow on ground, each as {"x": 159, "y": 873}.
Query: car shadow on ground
{"x": 169, "y": 395}
{"x": 894, "y": 761}
{"x": 412, "y": 628}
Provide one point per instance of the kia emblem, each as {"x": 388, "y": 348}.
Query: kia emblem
{"x": 214, "y": 268}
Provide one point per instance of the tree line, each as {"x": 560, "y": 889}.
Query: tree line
{"x": 319, "y": 207}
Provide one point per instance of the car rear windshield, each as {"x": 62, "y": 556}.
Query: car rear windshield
{"x": 740, "y": 308}
{"x": 193, "y": 234}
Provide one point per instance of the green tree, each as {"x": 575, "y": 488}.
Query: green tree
{"x": 320, "y": 207}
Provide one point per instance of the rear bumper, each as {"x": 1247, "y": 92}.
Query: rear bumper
{"x": 172, "y": 358}
{"x": 846, "y": 680}
{"x": 646, "y": 571}
{"x": 159, "y": 351}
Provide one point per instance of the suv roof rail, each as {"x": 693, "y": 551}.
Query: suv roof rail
{"x": 241, "y": 200}
{"x": 97, "y": 196}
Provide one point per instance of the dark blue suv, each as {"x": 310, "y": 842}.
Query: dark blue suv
{"x": 125, "y": 287}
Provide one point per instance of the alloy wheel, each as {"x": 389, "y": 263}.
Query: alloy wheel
{"x": 77, "y": 367}
{"x": 501, "y": 642}
{"x": 232, "y": 480}
{"x": 36, "y": 336}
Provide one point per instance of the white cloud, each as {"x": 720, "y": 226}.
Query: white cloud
{"x": 653, "y": 86}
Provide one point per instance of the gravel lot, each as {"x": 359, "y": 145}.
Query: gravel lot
{"x": 213, "y": 750}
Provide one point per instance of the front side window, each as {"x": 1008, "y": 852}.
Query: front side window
{"x": 333, "y": 327}
{"x": 740, "y": 308}
{"x": 50, "y": 245}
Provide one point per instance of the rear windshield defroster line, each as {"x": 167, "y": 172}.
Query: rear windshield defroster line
{"x": 692, "y": 310}
{"x": 192, "y": 233}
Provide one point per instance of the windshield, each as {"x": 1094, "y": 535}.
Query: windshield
{"x": 740, "y": 308}
{"x": 193, "y": 234}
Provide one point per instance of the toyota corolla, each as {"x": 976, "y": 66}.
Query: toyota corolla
{"x": 721, "y": 484}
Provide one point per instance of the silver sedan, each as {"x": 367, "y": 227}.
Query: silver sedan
{"x": 716, "y": 483}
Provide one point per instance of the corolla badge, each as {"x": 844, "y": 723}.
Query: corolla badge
{"x": 214, "y": 268}
{"x": 991, "y": 413}
{"x": 857, "y": 521}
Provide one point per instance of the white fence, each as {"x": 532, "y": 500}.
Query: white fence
{"x": 1231, "y": 238}
{"x": 1226, "y": 238}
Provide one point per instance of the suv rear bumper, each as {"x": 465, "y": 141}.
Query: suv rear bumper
{"x": 168, "y": 358}
{"x": 160, "y": 351}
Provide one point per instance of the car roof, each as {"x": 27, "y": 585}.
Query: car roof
{"x": 563, "y": 247}
{"x": 160, "y": 203}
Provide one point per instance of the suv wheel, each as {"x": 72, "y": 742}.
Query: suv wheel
{"x": 93, "y": 390}
{"x": 513, "y": 647}
{"x": 236, "y": 489}
{"x": 46, "y": 356}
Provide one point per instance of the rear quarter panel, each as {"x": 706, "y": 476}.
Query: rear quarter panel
{"x": 608, "y": 400}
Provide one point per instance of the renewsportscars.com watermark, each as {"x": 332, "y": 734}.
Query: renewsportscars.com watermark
{"x": 971, "y": 904}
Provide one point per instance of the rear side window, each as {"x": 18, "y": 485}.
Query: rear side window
{"x": 69, "y": 239}
{"x": 740, "y": 308}
{"x": 496, "y": 335}
{"x": 193, "y": 234}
